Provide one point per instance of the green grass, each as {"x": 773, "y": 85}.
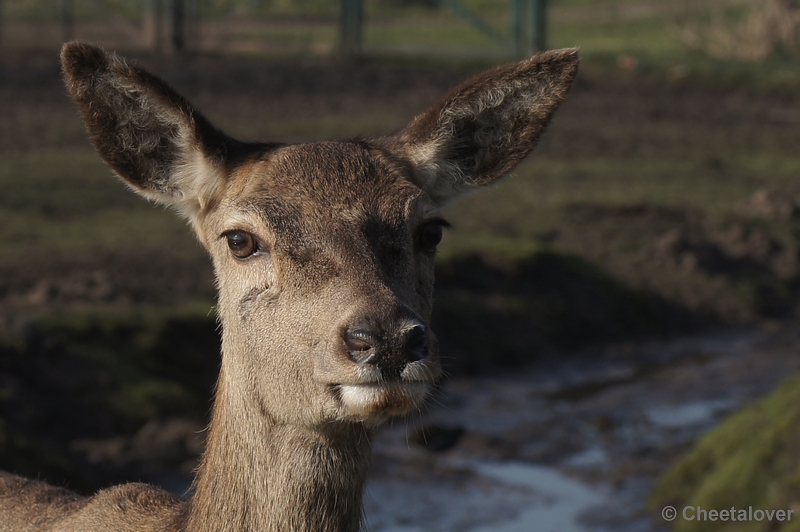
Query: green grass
{"x": 66, "y": 202}
{"x": 652, "y": 36}
{"x": 300, "y": 34}
{"x": 536, "y": 198}
{"x": 750, "y": 460}
{"x": 441, "y": 33}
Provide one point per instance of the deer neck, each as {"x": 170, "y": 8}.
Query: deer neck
{"x": 257, "y": 474}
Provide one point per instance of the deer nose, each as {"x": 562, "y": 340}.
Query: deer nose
{"x": 390, "y": 353}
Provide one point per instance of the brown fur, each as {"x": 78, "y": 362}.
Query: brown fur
{"x": 326, "y": 326}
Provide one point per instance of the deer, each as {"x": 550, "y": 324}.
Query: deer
{"x": 323, "y": 255}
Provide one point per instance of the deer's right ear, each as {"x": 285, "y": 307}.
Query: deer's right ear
{"x": 152, "y": 137}
{"x": 482, "y": 129}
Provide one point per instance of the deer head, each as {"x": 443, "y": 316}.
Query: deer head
{"x": 323, "y": 252}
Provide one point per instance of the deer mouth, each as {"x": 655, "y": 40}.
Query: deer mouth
{"x": 375, "y": 401}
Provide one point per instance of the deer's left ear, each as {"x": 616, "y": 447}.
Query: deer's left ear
{"x": 482, "y": 129}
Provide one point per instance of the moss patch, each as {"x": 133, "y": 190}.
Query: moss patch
{"x": 749, "y": 460}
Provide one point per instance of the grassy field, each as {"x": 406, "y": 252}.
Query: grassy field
{"x": 666, "y": 39}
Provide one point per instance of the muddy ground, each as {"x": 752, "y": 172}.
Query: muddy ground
{"x": 713, "y": 243}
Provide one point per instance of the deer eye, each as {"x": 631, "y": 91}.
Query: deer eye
{"x": 430, "y": 235}
{"x": 242, "y": 244}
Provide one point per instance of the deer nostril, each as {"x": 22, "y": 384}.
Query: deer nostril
{"x": 361, "y": 345}
{"x": 416, "y": 344}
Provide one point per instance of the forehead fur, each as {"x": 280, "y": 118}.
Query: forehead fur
{"x": 320, "y": 181}
{"x": 339, "y": 173}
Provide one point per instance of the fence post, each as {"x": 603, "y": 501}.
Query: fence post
{"x": 193, "y": 24}
{"x": 178, "y": 26}
{"x": 537, "y": 13}
{"x": 67, "y": 20}
{"x": 352, "y": 21}
{"x": 516, "y": 27}
{"x": 153, "y": 25}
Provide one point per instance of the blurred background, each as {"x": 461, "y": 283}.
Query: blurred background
{"x": 616, "y": 317}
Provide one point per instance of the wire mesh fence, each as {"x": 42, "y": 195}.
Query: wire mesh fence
{"x": 660, "y": 31}
{"x": 466, "y": 27}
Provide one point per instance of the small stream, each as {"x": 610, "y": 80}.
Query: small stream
{"x": 563, "y": 497}
{"x": 569, "y": 445}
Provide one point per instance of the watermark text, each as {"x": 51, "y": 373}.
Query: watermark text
{"x": 697, "y": 513}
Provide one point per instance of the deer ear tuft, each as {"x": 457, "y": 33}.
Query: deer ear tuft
{"x": 485, "y": 127}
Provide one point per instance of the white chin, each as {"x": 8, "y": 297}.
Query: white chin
{"x": 375, "y": 402}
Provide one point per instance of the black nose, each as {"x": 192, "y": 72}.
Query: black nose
{"x": 389, "y": 352}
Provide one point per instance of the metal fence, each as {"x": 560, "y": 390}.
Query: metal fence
{"x": 450, "y": 27}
